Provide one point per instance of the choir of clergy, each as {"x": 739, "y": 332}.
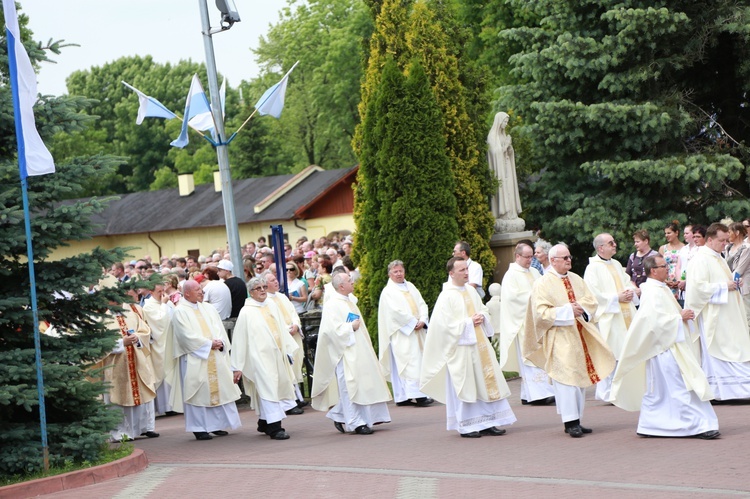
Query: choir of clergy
{"x": 616, "y": 296}
{"x": 263, "y": 350}
{"x": 402, "y": 330}
{"x": 658, "y": 374}
{"x": 570, "y": 333}
{"x": 198, "y": 368}
{"x": 348, "y": 379}
{"x": 460, "y": 367}
{"x": 514, "y": 302}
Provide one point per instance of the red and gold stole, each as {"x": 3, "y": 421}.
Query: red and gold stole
{"x": 484, "y": 349}
{"x": 213, "y": 377}
{"x": 130, "y": 352}
{"x": 590, "y": 369}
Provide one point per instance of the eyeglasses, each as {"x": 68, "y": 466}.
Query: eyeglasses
{"x": 566, "y": 257}
{"x": 610, "y": 243}
{"x": 259, "y": 288}
{"x": 290, "y": 270}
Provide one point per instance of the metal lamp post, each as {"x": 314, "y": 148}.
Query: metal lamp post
{"x": 229, "y": 17}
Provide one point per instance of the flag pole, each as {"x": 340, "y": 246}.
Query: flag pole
{"x": 23, "y": 171}
{"x": 245, "y": 122}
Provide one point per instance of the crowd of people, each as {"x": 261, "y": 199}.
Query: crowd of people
{"x": 667, "y": 335}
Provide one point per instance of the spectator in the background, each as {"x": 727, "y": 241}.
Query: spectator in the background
{"x": 216, "y": 293}
{"x": 634, "y": 268}
{"x": 541, "y": 255}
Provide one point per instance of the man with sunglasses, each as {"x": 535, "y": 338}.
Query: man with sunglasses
{"x": 617, "y": 297}
{"x": 561, "y": 338}
{"x": 658, "y": 373}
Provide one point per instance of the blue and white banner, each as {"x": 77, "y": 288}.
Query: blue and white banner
{"x": 196, "y": 103}
{"x": 33, "y": 156}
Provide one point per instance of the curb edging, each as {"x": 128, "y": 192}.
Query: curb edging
{"x": 135, "y": 462}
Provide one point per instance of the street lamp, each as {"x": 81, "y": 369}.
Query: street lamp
{"x": 229, "y": 17}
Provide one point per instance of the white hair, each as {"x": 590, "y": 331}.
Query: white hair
{"x": 553, "y": 250}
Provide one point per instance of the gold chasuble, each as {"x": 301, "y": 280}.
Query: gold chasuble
{"x": 130, "y": 372}
{"x": 574, "y": 354}
{"x": 464, "y": 351}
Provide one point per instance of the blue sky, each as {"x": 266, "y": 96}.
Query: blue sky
{"x": 168, "y": 30}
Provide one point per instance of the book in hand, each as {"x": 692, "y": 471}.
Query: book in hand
{"x": 351, "y": 317}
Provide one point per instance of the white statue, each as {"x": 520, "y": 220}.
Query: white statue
{"x": 506, "y": 205}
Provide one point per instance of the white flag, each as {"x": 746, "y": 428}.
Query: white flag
{"x": 33, "y": 156}
{"x": 149, "y": 107}
{"x": 272, "y": 101}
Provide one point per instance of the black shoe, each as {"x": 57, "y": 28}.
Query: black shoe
{"x": 718, "y": 402}
{"x": 302, "y": 403}
{"x": 294, "y": 411}
{"x": 339, "y": 426}
{"x": 406, "y": 402}
{"x": 202, "y": 435}
{"x": 643, "y": 435}
{"x": 280, "y": 435}
{"x": 493, "y": 431}
{"x": 574, "y": 431}
{"x": 473, "y": 434}
{"x": 583, "y": 430}
{"x": 262, "y": 426}
{"x": 150, "y": 434}
{"x": 708, "y": 435}
{"x": 524, "y": 402}
{"x": 220, "y": 433}
{"x": 363, "y": 430}
{"x": 550, "y": 401}
{"x": 424, "y": 401}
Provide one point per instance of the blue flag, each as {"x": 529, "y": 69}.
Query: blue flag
{"x": 272, "y": 101}
{"x": 196, "y": 103}
{"x": 149, "y": 107}
{"x": 33, "y": 156}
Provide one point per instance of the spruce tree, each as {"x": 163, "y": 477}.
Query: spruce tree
{"x": 77, "y": 421}
{"x": 636, "y": 111}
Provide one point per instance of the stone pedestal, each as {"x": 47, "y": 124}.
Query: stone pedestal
{"x": 504, "y": 246}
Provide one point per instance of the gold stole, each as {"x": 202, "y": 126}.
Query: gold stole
{"x": 213, "y": 378}
{"x": 284, "y": 311}
{"x": 272, "y": 324}
{"x": 130, "y": 352}
{"x": 624, "y": 307}
{"x": 483, "y": 347}
{"x": 415, "y": 312}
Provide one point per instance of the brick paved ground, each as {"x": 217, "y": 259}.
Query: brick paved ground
{"x": 415, "y": 457}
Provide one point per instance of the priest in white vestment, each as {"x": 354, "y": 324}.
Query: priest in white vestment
{"x": 294, "y": 327}
{"x": 158, "y": 315}
{"x": 561, "y": 338}
{"x": 348, "y": 379}
{"x": 617, "y": 298}
{"x": 459, "y": 367}
{"x": 514, "y": 302}
{"x": 202, "y": 381}
{"x": 129, "y": 373}
{"x": 658, "y": 373}
{"x": 714, "y": 296}
{"x": 402, "y": 329}
{"x": 264, "y": 351}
